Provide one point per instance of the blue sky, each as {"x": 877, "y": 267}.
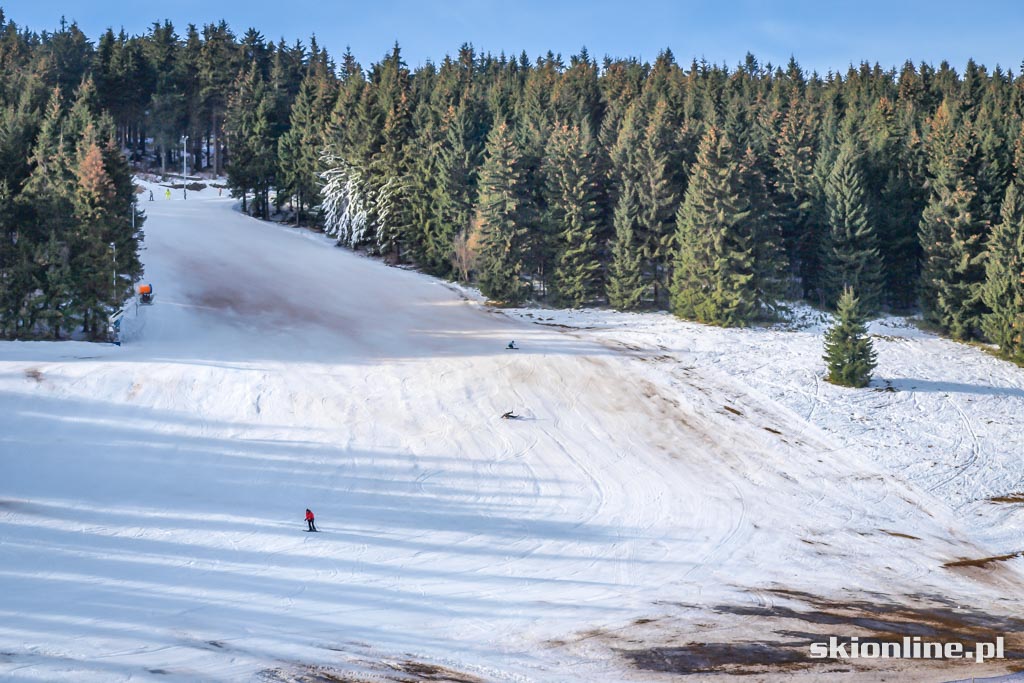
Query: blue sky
{"x": 822, "y": 35}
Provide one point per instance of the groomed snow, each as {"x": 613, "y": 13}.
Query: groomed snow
{"x": 151, "y": 495}
{"x": 943, "y": 415}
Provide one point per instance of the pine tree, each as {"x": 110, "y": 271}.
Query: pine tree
{"x": 250, "y": 135}
{"x": 850, "y": 256}
{"x": 715, "y": 274}
{"x": 456, "y": 162}
{"x": 55, "y": 307}
{"x": 571, "y": 201}
{"x": 217, "y": 64}
{"x": 90, "y": 253}
{"x": 808, "y": 251}
{"x": 422, "y": 154}
{"x": 794, "y": 178}
{"x": 533, "y": 126}
{"x": 950, "y": 231}
{"x": 166, "y": 111}
{"x": 300, "y": 147}
{"x": 657, "y": 193}
{"x": 993, "y": 166}
{"x": 51, "y": 173}
{"x": 771, "y": 266}
{"x": 390, "y": 169}
{"x": 239, "y": 125}
{"x": 625, "y": 289}
{"x": 1003, "y": 290}
{"x": 501, "y": 214}
{"x": 849, "y": 353}
{"x": 125, "y": 228}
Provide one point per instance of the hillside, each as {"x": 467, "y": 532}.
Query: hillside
{"x": 661, "y": 487}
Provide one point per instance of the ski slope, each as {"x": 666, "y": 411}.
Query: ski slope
{"x": 152, "y": 495}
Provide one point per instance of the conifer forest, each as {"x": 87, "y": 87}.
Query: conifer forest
{"x": 718, "y": 192}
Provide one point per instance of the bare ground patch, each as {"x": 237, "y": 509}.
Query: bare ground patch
{"x": 1011, "y": 498}
{"x": 771, "y": 641}
{"x": 34, "y": 374}
{"x": 983, "y": 561}
{"x": 401, "y": 671}
{"x": 897, "y": 534}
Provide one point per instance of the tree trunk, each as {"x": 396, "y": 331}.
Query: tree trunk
{"x": 216, "y": 151}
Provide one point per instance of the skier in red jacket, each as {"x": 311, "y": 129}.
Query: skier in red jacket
{"x": 309, "y": 520}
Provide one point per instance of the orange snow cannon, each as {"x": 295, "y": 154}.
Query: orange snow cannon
{"x": 146, "y": 293}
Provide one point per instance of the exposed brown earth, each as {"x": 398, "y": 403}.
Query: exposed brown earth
{"x": 771, "y": 642}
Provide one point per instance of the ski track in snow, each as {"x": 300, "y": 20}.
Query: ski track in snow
{"x": 151, "y": 495}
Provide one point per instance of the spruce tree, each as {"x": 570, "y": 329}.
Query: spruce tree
{"x": 533, "y": 126}
{"x": 571, "y": 201}
{"x": 1003, "y": 290}
{"x": 239, "y": 125}
{"x": 714, "y": 280}
{"x": 501, "y": 215}
{"x": 299, "y": 148}
{"x": 993, "y": 166}
{"x": 95, "y": 203}
{"x": 658, "y": 195}
{"x": 849, "y": 353}
{"x": 794, "y": 177}
{"x": 56, "y": 310}
{"x": 850, "y": 256}
{"x": 771, "y": 265}
{"x": 424, "y": 198}
{"x": 625, "y": 289}
{"x": 950, "y": 231}
{"x": 250, "y": 133}
{"x": 456, "y": 169}
{"x": 390, "y": 169}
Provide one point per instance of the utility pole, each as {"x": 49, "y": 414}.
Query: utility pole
{"x": 113, "y": 281}
{"x": 184, "y": 161}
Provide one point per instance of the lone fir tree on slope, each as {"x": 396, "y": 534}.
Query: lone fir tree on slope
{"x": 848, "y": 349}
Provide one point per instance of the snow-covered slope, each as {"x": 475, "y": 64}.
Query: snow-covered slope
{"x": 942, "y": 415}
{"x": 151, "y": 496}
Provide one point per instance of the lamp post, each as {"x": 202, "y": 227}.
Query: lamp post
{"x": 184, "y": 161}
{"x": 113, "y": 280}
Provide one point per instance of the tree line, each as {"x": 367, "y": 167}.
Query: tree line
{"x": 712, "y": 191}
{"x": 69, "y": 229}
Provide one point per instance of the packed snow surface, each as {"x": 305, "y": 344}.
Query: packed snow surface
{"x": 152, "y": 495}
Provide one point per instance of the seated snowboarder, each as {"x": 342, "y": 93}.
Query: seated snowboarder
{"x": 309, "y": 520}
{"x": 512, "y": 345}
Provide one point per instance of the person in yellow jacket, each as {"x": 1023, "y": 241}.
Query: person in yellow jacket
{"x": 168, "y": 193}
